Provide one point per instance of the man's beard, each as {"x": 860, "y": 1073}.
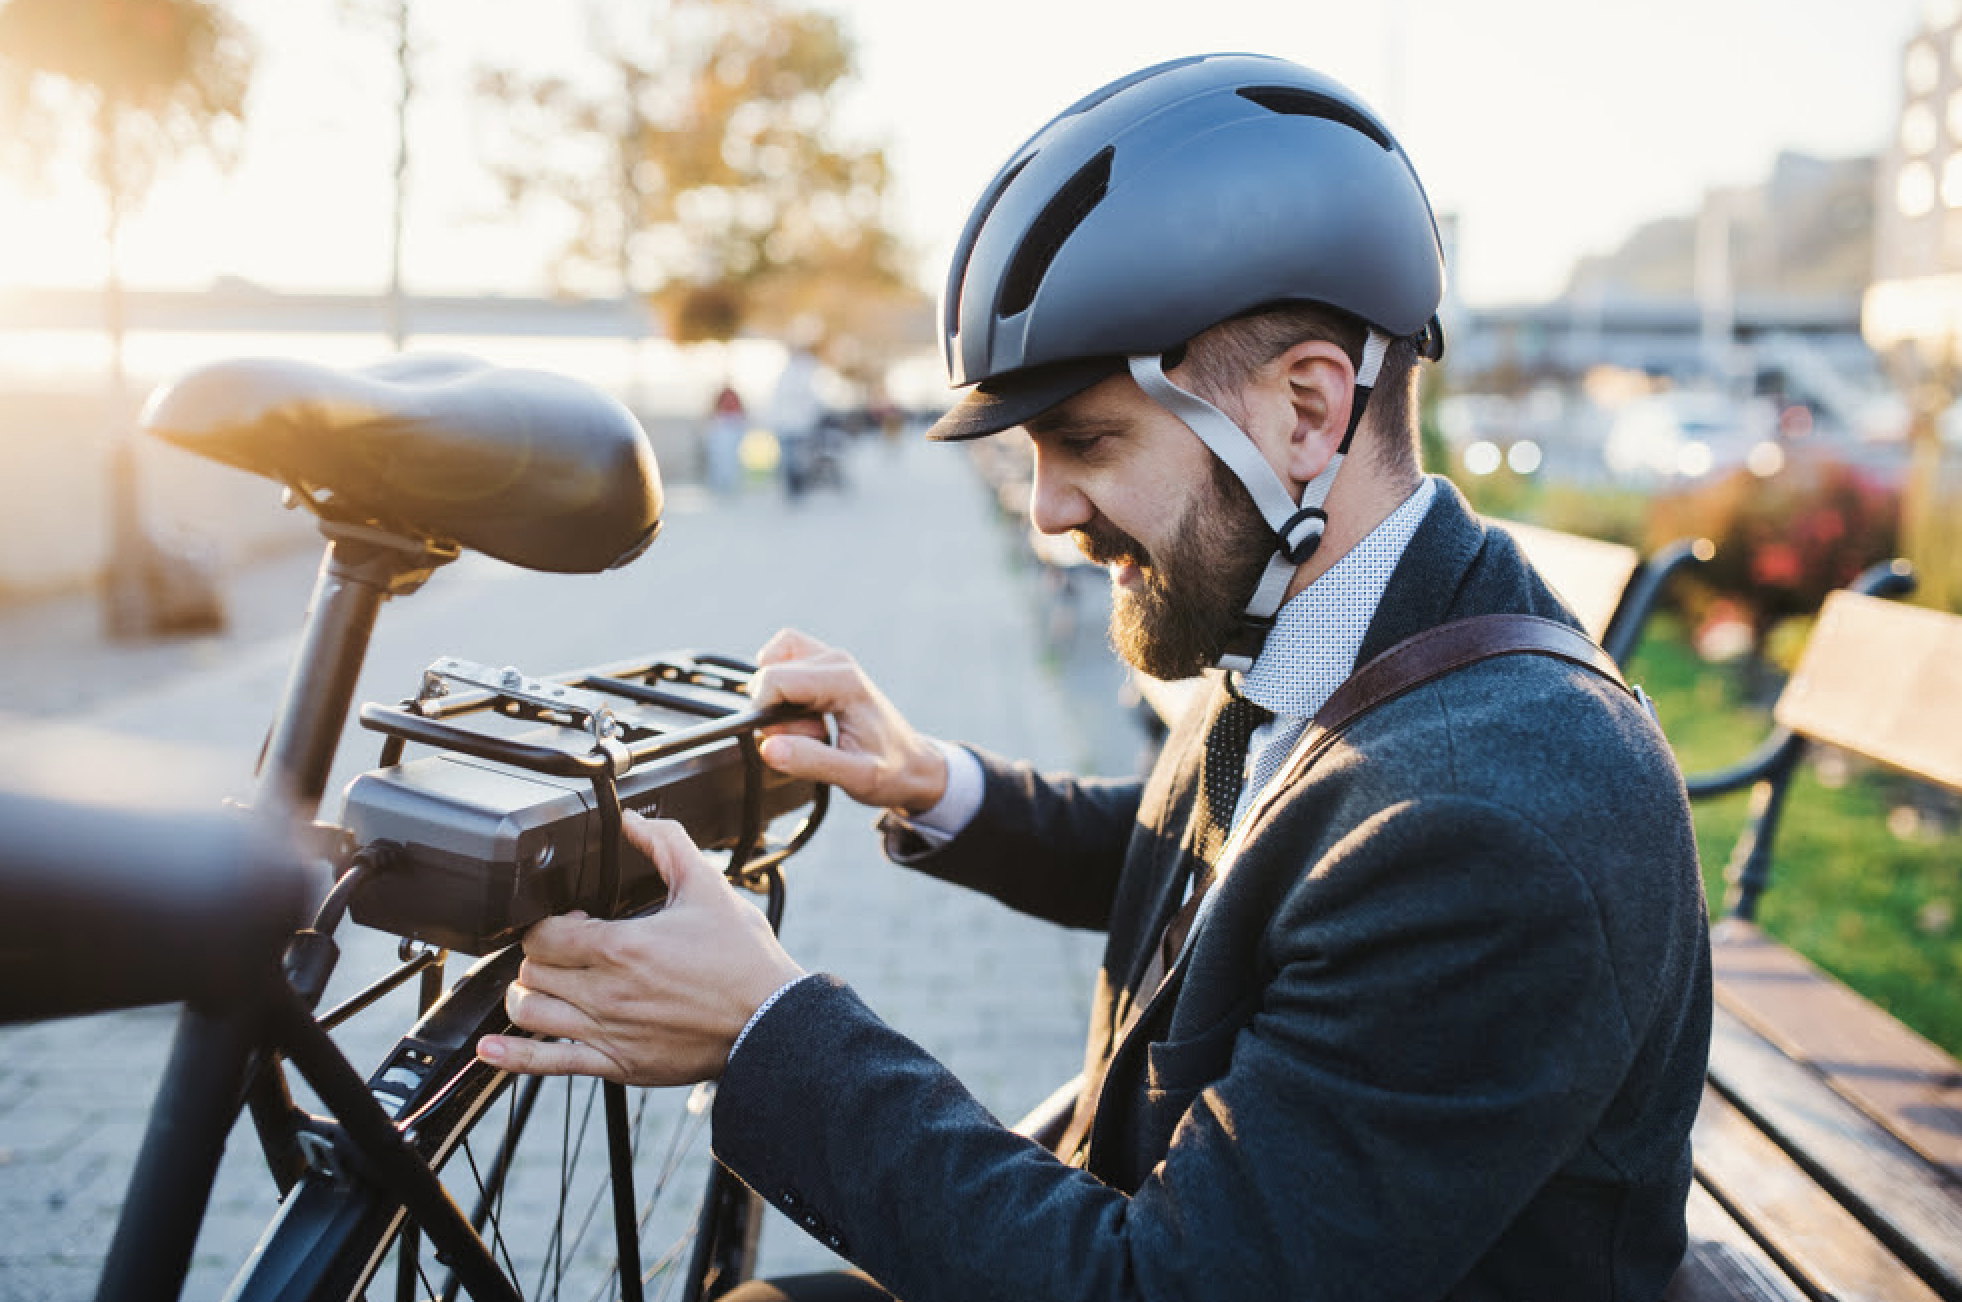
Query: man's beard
{"x": 1180, "y": 617}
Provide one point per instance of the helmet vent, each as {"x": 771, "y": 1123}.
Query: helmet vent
{"x": 1044, "y": 239}
{"x": 982, "y": 212}
{"x": 1296, "y": 102}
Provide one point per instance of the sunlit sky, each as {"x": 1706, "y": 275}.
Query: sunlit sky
{"x": 1550, "y": 128}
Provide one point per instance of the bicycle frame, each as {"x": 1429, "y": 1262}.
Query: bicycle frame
{"x": 220, "y": 1048}
{"x": 237, "y": 1026}
{"x": 226, "y": 1048}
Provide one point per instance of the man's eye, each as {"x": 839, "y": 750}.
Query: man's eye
{"x": 1079, "y": 444}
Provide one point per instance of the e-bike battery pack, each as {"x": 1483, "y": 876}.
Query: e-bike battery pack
{"x": 467, "y": 849}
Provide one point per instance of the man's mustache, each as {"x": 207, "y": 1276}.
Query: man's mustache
{"x": 1106, "y": 545}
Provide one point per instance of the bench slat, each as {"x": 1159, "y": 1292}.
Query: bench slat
{"x": 1883, "y": 680}
{"x": 1907, "y": 1084}
{"x": 1590, "y": 575}
{"x": 1818, "y": 1241}
{"x": 1905, "y": 1201}
{"x": 1724, "y": 1263}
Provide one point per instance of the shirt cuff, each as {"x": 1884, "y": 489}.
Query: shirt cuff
{"x": 761, "y": 1009}
{"x": 957, "y": 805}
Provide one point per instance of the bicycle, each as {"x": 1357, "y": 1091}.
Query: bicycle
{"x": 513, "y": 813}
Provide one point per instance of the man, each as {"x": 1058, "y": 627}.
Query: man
{"x": 1421, "y": 1013}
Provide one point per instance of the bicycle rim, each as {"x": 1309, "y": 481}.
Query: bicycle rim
{"x": 526, "y": 1158}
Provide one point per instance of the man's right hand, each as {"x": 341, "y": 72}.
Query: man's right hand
{"x": 876, "y": 757}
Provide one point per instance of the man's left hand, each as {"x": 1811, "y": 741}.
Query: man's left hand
{"x": 656, "y": 1000}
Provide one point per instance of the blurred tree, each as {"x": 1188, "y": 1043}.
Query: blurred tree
{"x": 707, "y": 175}
{"x": 136, "y": 81}
{"x": 393, "y": 17}
{"x": 133, "y": 82}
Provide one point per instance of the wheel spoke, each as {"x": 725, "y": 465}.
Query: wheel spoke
{"x": 495, "y": 1221}
{"x": 501, "y": 1159}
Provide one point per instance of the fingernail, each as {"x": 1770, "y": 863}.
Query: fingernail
{"x": 490, "y": 1050}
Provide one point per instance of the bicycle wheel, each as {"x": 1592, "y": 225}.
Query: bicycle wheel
{"x": 527, "y": 1159}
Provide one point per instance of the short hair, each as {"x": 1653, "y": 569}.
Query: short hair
{"x": 1221, "y": 359}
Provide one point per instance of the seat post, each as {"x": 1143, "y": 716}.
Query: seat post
{"x": 362, "y": 568}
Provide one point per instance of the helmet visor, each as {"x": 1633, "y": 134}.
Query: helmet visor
{"x": 1007, "y": 400}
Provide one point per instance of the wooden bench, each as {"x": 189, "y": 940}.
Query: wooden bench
{"x": 1612, "y": 588}
{"x": 1828, "y": 1150}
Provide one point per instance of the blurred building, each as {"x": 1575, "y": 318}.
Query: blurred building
{"x": 1915, "y": 303}
{"x": 1913, "y": 311}
{"x": 1759, "y": 289}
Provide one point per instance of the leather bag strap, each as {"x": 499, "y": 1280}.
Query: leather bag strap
{"x": 1419, "y": 659}
{"x": 1430, "y": 655}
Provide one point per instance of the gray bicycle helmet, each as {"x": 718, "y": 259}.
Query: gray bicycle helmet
{"x": 1167, "y": 202}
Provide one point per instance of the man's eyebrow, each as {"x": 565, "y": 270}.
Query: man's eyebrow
{"x": 1053, "y": 424}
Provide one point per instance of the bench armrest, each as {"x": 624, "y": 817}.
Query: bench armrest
{"x": 1645, "y": 588}
{"x": 1046, "y": 1121}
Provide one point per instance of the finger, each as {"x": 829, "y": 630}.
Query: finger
{"x": 789, "y": 644}
{"x": 572, "y": 984}
{"x": 767, "y": 688}
{"x": 820, "y": 684}
{"x": 525, "y": 1057}
{"x": 568, "y": 940}
{"x": 546, "y": 1014}
{"x": 805, "y": 727}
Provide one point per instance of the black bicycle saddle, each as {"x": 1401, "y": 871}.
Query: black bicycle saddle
{"x": 537, "y": 469}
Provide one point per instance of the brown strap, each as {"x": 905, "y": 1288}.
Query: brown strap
{"x": 1435, "y": 652}
{"x": 1409, "y": 664}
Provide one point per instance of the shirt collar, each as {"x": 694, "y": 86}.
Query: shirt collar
{"x": 1317, "y": 635}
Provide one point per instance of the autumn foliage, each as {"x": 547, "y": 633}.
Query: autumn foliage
{"x": 1783, "y": 541}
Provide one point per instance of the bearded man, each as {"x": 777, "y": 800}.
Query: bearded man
{"x": 1406, "y": 987}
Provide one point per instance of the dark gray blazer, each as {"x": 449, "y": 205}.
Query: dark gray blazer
{"x": 1442, "y": 1034}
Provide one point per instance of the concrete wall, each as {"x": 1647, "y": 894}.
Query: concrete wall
{"x": 54, "y": 491}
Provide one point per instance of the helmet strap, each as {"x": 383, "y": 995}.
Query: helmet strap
{"x": 1297, "y": 526}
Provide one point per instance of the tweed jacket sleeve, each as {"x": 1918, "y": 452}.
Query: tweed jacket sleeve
{"x": 1051, "y": 846}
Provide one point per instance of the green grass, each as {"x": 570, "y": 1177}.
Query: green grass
{"x": 1853, "y": 887}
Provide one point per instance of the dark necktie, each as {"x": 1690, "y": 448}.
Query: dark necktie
{"x": 1225, "y": 768}
{"x": 1221, "y": 774}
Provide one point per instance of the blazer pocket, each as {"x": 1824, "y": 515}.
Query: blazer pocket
{"x": 1189, "y": 1064}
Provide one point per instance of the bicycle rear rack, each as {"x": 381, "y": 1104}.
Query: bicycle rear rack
{"x": 518, "y": 815}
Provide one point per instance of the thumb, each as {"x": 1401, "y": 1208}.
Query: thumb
{"x": 666, "y": 843}
{"x": 817, "y": 761}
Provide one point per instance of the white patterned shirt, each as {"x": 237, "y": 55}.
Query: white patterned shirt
{"x": 1311, "y": 649}
{"x": 1316, "y": 638}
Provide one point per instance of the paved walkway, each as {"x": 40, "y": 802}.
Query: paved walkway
{"x": 908, "y": 566}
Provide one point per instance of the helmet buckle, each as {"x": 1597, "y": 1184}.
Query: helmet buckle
{"x": 1302, "y": 534}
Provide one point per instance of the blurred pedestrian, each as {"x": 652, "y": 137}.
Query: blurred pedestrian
{"x": 723, "y": 440}
{"x": 796, "y": 412}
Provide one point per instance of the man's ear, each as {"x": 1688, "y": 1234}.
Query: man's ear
{"x": 1320, "y": 387}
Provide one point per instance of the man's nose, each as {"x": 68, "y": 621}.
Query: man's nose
{"x": 1056, "y": 505}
